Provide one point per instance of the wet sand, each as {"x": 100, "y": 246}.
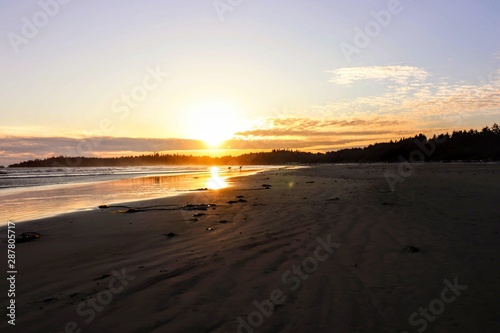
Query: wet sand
{"x": 323, "y": 249}
{"x": 29, "y": 203}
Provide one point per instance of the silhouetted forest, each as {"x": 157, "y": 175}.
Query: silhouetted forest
{"x": 469, "y": 145}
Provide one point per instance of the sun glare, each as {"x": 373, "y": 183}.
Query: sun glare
{"x": 212, "y": 122}
{"x": 216, "y": 182}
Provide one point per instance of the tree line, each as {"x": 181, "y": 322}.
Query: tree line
{"x": 471, "y": 145}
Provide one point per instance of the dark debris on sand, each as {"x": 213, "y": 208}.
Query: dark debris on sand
{"x": 411, "y": 249}
{"x": 240, "y": 199}
{"x": 198, "y": 206}
{"x": 132, "y": 210}
{"x": 27, "y": 237}
{"x": 162, "y": 207}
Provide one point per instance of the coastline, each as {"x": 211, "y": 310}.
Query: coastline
{"x": 22, "y": 204}
{"x": 199, "y": 280}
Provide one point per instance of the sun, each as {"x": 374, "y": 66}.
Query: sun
{"x": 212, "y": 122}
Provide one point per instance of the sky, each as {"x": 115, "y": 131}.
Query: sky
{"x": 110, "y": 78}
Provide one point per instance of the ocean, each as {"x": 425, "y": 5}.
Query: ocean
{"x": 33, "y": 193}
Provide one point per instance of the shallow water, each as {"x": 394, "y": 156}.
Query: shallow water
{"x": 26, "y": 177}
{"x": 61, "y": 191}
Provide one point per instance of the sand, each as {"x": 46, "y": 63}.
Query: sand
{"x": 324, "y": 249}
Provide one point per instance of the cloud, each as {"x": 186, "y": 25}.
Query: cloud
{"x": 307, "y": 128}
{"x": 413, "y": 101}
{"x": 291, "y": 123}
{"x": 323, "y": 144}
{"x": 22, "y": 148}
{"x": 320, "y": 133}
{"x": 17, "y": 149}
{"x": 414, "y": 94}
{"x": 303, "y": 133}
{"x": 399, "y": 74}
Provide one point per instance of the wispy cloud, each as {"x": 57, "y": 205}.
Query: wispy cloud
{"x": 320, "y": 144}
{"x": 287, "y": 133}
{"x": 414, "y": 94}
{"x": 315, "y": 123}
{"x": 304, "y": 133}
{"x": 94, "y": 145}
{"x": 398, "y": 74}
{"x": 411, "y": 101}
{"x": 321, "y": 133}
{"x": 16, "y": 148}
{"x": 319, "y": 127}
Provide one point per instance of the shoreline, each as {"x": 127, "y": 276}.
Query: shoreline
{"x": 16, "y": 200}
{"x": 176, "y": 196}
{"x": 394, "y": 251}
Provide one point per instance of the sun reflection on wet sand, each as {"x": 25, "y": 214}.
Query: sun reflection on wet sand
{"x": 23, "y": 204}
{"x": 216, "y": 182}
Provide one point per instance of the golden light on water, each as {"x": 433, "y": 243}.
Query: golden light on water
{"x": 216, "y": 182}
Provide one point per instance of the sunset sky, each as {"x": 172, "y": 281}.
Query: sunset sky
{"x": 102, "y": 78}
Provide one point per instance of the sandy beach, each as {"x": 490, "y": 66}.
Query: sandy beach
{"x": 323, "y": 249}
